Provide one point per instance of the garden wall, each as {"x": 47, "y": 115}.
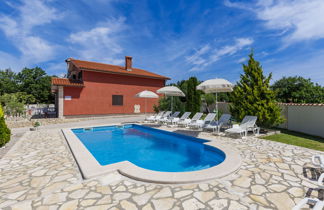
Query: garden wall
{"x": 304, "y": 118}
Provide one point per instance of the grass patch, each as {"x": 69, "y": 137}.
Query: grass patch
{"x": 298, "y": 139}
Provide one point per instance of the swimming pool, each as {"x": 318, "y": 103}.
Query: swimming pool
{"x": 149, "y": 148}
{"x": 149, "y": 154}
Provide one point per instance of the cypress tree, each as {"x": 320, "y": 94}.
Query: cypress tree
{"x": 193, "y": 96}
{"x": 252, "y": 96}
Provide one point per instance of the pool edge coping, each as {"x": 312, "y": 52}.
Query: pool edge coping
{"x": 90, "y": 167}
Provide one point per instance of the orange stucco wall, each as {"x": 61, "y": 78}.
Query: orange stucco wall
{"x": 95, "y": 97}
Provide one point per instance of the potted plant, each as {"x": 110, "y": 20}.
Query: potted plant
{"x": 36, "y": 125}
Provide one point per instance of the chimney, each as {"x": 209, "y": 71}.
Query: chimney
{"x": 128, "y": 63}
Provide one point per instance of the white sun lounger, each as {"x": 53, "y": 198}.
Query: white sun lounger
{"x": 166, "y": 119}
{"x": 186, "y": 122}
{"x": 201, "y": 123}
{"x": 247, "y": 124}
{"x": 153, "y": 117}
{"x": 216, "y": 125}
{"x": 318, "y": 204}
{"x": 165, "y": 115}
{"x": 175, "y": 120}
{"x": 318, "y": 160}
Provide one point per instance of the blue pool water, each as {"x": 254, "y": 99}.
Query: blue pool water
{"x": 149, "y": 148}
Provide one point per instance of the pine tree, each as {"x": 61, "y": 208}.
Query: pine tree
{"x": 252, "y": 96}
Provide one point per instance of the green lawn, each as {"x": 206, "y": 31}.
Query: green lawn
{"x": 298, "y": 139}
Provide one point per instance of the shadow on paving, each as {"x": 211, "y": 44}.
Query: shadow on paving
{"x": 194, "y": 133}
{"x": 312, "y": 173}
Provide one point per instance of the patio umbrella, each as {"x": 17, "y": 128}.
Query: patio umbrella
{"x": 216, "y": 86}
{"x": 146, "y": 94}
{"x": 171, "y": 91}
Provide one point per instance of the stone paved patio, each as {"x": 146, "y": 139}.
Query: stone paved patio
{"x": 39, "y": 172}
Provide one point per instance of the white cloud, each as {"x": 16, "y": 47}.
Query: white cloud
{"x": 297, "y": 20}
{"x": 9, "y": 26}
{"x": 239, "y": 5}
{"x": 242, "y": 60}
{"x": 19, "y": 29}
{"x": 100, "y": 43}
{"x": 205, "y": 56}
{"x": 36, "y": 49}
{"x": 35, "y": 13}
{"x": 196, "y": 58}
{"x": 239, "y": 44}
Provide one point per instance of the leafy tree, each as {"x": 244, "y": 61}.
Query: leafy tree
{"x": 21, "y": 97}
{"x": 4, "y": 130}
{"x": 14, "y": 103}
{"x": 298, "y": 90}
{"x": 8, "y": 81}
{"x": 252, "y": 96}
{"x": 25, "y": 98}
{"x": 35, "y": 82}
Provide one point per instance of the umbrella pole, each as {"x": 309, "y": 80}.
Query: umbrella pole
{"x": 145, "y": 108}
{"x": 171, "y": 103}
{"x": 216, "y": 107}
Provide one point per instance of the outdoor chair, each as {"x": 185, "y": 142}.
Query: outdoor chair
{"x": 317, "y": 204}
{"x": 186, "y": 122}
{"x": 247, "y": 124}
{"x": 318, "y": 160}
{"x": 201, "y": 123}
{"x": 166, "y": 119}
{"x": 153, "y": 117}
{"x": 165, "y": 115}
{"x": 224, "y": 120}
{"x": 177, "y": 119}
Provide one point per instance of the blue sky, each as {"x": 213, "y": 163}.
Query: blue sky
{"x": 179, "y": 39}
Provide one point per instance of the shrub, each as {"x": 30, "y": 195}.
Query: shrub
{"x": 4, "y": 130}
{"x": 37, "y": 124}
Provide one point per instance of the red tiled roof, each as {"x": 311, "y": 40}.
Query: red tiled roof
{"x": 288, "y": 104}
{"x": 88, "y": 65}
{"x": 300, "y": 104}
{"x": 66, "y": 82}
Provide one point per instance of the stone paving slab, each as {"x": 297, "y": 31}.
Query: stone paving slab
{"x": 39, "y": 172}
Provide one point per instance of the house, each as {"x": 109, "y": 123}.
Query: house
{"x": 93, "y": 88}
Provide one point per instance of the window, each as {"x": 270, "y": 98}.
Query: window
{"x": 117, "y": 100}
{"x": 80, "y": 75}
